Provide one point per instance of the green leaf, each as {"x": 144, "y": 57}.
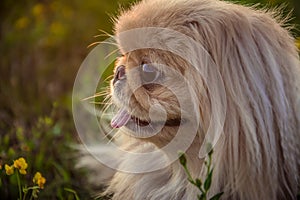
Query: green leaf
{"x": 198, "y": 182}
{"x": 182, "y": 158}
{"x": 25, "y": 190}
{"x": 73, "y": 192}
{"x": 207, "y": 182}
{"x": 191, "y": 180}
{"x": 209, "y": 149}
{"x": 217, "y": 196}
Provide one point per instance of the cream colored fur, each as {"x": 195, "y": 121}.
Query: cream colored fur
{"x": 257, "y": 156}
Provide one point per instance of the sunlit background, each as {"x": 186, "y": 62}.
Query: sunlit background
{"x": 42, "y": 44}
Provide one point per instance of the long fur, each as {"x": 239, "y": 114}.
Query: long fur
{"x": 257, "y": 156}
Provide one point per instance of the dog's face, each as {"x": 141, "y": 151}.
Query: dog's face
{"x": 149, "y": 87}
{"x": 155, "y": 90}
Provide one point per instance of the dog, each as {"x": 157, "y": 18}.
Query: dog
{"x": 242, "y": 82}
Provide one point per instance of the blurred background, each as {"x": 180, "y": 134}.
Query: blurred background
{"x": 42, "y": 45}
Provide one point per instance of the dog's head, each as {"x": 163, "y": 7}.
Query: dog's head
{"x": 163, "y": 81}
{"x": 155, "y": 86}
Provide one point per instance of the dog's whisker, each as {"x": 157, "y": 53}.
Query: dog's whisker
{"x": 101, "y": 35}
{"x": 110, "y": 43}
{"x": 105, "y": 91}
{"x": 111, "y": 53}
{"x": 102, "y": 93}
{"x": 113, "y": 137}
{"x": 109, "y": 135}
{"x": 98, "y": 103}
{"x": 102, "y": 42}
{"x": 108, "y": 78}
{"x": 108, "y": 106}
{"x": 106, "y": 33}
{"x": 94, "y": 96}
{"x": 107, "y": 99}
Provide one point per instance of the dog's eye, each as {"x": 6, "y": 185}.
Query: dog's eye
{"x": 149, "y": 73}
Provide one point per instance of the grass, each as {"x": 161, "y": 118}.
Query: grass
{"x": 46, "y": 146}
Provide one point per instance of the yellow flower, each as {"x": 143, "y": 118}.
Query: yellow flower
{"x": 38, "y": 10}
{"x": 21, "y": 165}
{"x": 39, "y": 180}
{"x": 22, "y": 23}
{"x": 9, "y": 169}
{"x": 22, "y": 171}
{"x": 36, "y": 177}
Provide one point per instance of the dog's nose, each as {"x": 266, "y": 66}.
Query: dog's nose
{"x": 120, "y": 73}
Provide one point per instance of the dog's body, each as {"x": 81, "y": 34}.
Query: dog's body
{"x": 257, "y": 155}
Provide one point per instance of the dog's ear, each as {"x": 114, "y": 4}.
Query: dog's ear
{"x": 258, "y": 63}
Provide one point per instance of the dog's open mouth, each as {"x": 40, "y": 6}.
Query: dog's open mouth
{"x": 122, "y": 118}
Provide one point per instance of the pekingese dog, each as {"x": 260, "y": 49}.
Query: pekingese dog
{"x": 201, "y": 72}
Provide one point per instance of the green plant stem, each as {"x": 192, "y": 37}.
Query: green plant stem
{"x": 209, "y": 164}
{"x": 24, "y": 197}
{"x": 33, "y": 188}
{"x": 19, "y": 185}
{"x": 73, "y": 192}
{"x": 203, "y": 192}
{"x": 191, "y": 179}
{"x": 189, "y": 175}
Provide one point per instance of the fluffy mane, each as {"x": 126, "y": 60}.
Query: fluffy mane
{"x": 257, "y": 156}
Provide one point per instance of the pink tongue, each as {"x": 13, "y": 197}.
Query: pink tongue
{"x": 120, "y": 119}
